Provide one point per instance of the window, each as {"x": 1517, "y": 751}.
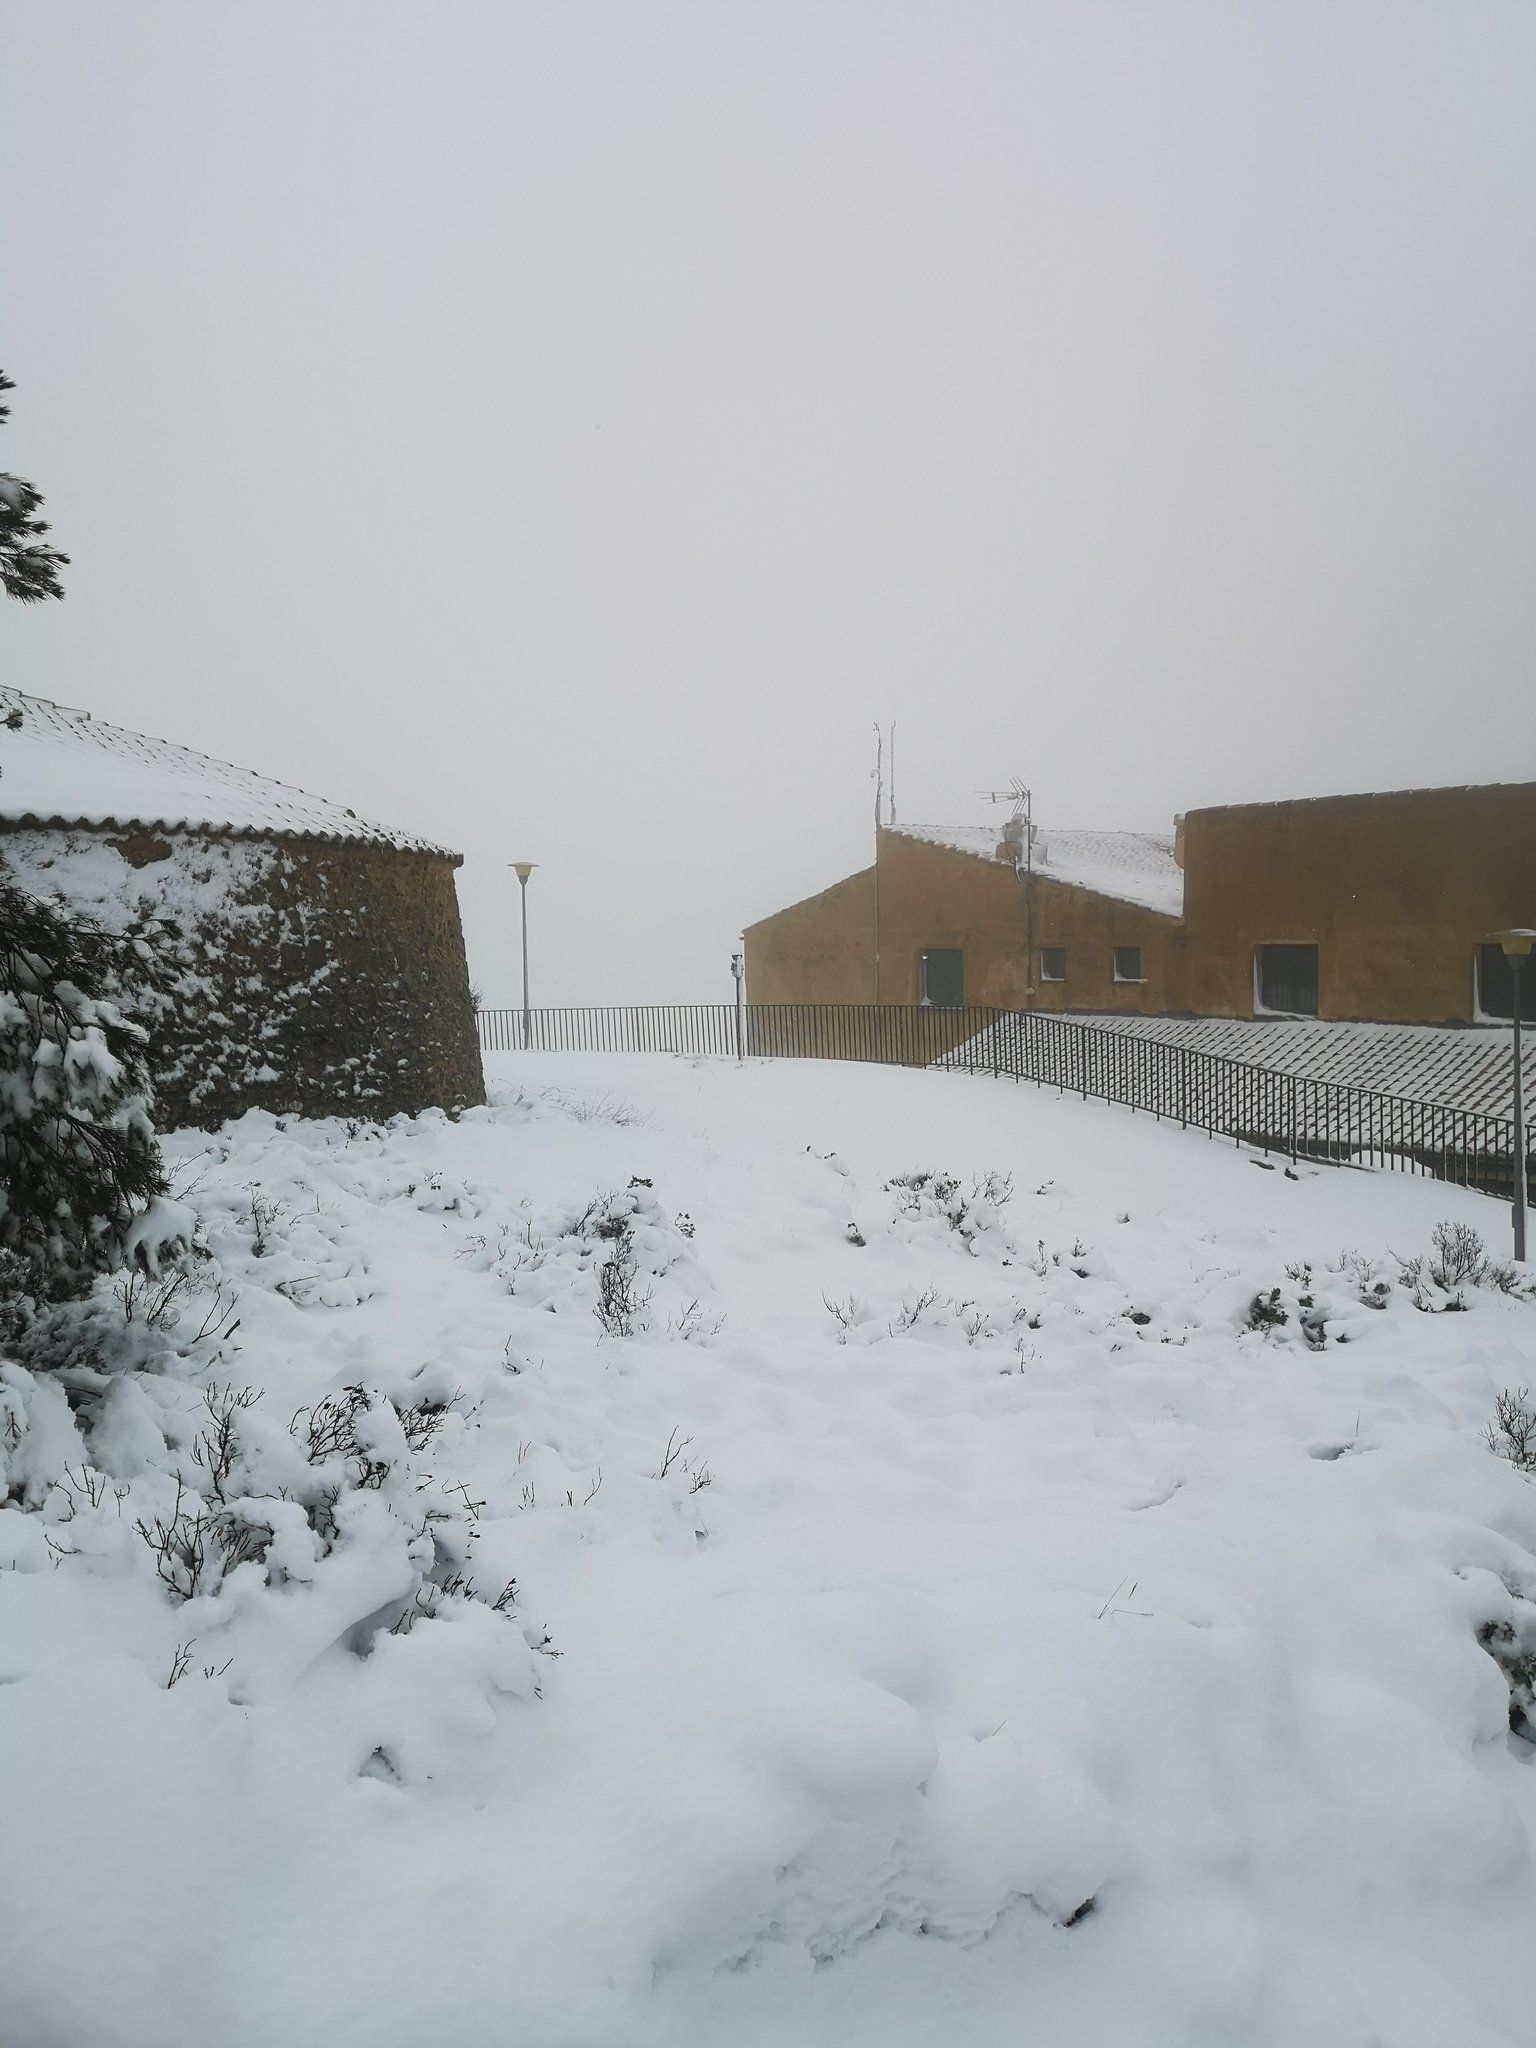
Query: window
{"x": 941, "y": 978}
{"x": 1285, "y": 980}
{"x": 1128, "y": 963}
{"x": 1053, "y": 963}
{"x": 1496, "y": 984}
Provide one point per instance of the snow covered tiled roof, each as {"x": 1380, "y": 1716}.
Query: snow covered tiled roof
{"x": 63, "y": 767}
{"x": 1467, "y": 1069}
{"x": 1133, "y": 867}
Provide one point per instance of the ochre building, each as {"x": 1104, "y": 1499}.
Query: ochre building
{"x": 1372, "y": 907}
{"x": 315, "y": 961}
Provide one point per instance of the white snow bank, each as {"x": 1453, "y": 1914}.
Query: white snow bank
{"x": 968, "y": 1630}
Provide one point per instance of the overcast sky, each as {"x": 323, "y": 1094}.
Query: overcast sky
{"x": 565, "y": 430}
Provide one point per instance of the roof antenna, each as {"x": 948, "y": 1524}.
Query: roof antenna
{"x": 877, "y": 773}
{"x": 891, "y": 807}
{"x": 1019, "y": 832}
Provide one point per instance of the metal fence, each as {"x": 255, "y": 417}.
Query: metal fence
{"x": 1278, "y": 1112}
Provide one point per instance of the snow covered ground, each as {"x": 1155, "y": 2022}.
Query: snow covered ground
{"x": 938, "y": 1616}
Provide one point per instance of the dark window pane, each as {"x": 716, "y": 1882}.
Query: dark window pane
{"x": 1496, "y": 984}
{"x": 941, "y": 978}
{"x": 1053, "y": 963}
{"x": 1288, "y": 979}
{"x": 1127, "y": 963}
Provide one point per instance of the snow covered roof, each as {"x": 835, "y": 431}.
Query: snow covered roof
{"x": 1465, "y": 1069}
{"x": 64, "y": 767}
{"x": 1133, "y": 867}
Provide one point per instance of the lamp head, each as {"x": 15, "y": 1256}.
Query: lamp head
{"x": 522, "y": 868}
{"x": 1517, "y": 943}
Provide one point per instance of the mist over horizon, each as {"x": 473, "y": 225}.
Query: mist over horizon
{"x": 567, "y": 436}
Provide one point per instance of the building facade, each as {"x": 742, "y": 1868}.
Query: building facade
{"x": 315, "y": 962}
{"x": 1373, "y": 907}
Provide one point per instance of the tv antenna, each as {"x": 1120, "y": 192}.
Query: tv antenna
{"x": 1019, "y": 832}
{"x": 1019, "y": 839}
{"x": 1015, "y": 794}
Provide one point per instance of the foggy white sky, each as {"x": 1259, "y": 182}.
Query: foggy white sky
{"x": 564, "y": 430}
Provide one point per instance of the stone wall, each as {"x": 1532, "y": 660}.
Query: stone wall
{"x": 307, "y": 978}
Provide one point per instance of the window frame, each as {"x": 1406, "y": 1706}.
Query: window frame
{"x": 1127, "y": 980}
{"x": 1263, "y": 946}
{"x": 1055, "y": 980}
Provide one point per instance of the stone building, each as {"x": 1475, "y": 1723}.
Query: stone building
{"x": 1363, "y": 907}
{"x": 316, "y": 961}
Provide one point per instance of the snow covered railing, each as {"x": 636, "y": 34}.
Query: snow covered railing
{"x": 1295, "y": 1115}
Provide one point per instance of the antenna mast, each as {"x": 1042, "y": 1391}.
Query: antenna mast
{"x": 1019, "y": 834}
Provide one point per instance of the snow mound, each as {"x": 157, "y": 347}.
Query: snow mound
{"x": 791, "y": 1554}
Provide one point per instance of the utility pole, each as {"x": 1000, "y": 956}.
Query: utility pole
{"x": 1019, "y": 833}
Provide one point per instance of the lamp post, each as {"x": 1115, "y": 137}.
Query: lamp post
{"x": 1516, "y": 947}
{"x": 739, "y": 974}
{"x": 523, "y": 869}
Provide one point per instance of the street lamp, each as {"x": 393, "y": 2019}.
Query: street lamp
{"x": 523, "y": 869}
{"x": 1516, "y": 946}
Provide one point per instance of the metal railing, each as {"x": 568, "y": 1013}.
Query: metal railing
{"x": 1278, "y": 1112}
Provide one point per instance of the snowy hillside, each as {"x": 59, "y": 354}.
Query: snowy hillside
{"x": 769, "y": 1558}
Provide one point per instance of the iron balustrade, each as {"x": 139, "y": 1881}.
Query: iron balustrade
{"x": 1291, "y": 1114}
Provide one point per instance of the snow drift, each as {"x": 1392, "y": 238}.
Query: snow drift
{"x": 802, "y": 1554}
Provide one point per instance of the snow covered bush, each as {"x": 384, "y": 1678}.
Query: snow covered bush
{"x": 82, "y": 1190}
{"x": 339, "y": 1497}
{"x": 605, "y": 1256}
{"x": 1512, "y": 1432}
{"x": 1437, "y": 1282}
{"x": 975, "y": 1216}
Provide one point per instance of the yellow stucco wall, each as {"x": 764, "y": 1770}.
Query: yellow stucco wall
{"x": 823, "y": 950}
{"x": 1090, "y": 927}
{"x": 819, "y": 951}
{"x": 930, "y": 896}
{"x": 1396, "y": 891}
{"x": 933, "y": 896}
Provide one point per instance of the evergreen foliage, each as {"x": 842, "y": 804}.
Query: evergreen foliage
{"x": 80, "y": 1172}
{"x": 29, "y": 566}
